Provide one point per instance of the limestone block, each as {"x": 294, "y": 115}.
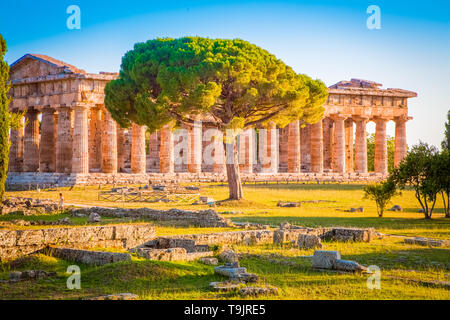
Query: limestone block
{"x": 325, "y": 259}
{"x": 307, "y": 241}
{"x": 346, "y": 265}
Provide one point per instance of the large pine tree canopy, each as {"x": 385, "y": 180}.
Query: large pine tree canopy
{"x": 231, "y": 83}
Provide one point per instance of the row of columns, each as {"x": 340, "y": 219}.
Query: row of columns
{"x": 70, "y": 143}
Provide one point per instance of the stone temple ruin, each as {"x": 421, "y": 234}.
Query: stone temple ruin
{"x": 78, "y": 142}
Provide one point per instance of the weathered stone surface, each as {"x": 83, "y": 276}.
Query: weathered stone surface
{"x": 289, "y": 204}
{"x": 307, "y": 241}
{"x": 396, "y": 208}
{"x": 94, "y": 218}
{"x": 229, "y": 271}
{"x": 422, "y": 241}
{"x": 172, "y": 254}
{"x": 346, "y": 265}
{"x": 258, "y": 291}
{"x": 88, "y": 257}
{"x": 229, "y": 256}
{"x": 209, "y": 261}
{"x": 286, "y": 235}
{"x": 30, "y": 275}
{"x": 325, "y": 259}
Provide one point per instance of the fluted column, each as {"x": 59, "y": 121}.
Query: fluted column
{"x": 195, "y": 148}
{"x": 401, "y": 146}
{"x": 339, "y": 145}
{"x": 80, "y": 161}
{"x": 317, "y": 147}
{"x": 16, "y": 151}
{"x": 121, "y": 152}
{"x": 293, "y": 147}
{"x": 95, "y": 140}
{"x": 219, "y": 165}
{"x": 166, "y": 150}
{"x": 327, "y": 143}
{"x": 246, "y": 151}
{"x": 31, "y": 142}
{"x": 381, "y": 163}
{"x": 269, "y": 148}
{"x": 64, "y": 140}
{"x": 361, "y": 146}
{"x": 138, "y": 155}
{"x": 109, "y": 144}
{"x": 48, "y": 141}
{"x": 348, "y": 145}
{"x": 305, "y": 147}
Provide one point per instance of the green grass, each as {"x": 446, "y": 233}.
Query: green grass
{"x": 408, "y": 271}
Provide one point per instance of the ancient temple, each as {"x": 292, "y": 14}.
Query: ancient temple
{"x": 77, "y": 135}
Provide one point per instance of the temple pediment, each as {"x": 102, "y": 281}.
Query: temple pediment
{"x": 37, "y": 65}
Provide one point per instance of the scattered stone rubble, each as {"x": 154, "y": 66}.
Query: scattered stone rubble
{"x": 16, "y": 276}
{"x": 422, "y": 241}
{"x": 288, "y": 204}
{"x": 332, "y": 260}
{"x": 27, "y": 206}
{"x": 202, "y": 218}
{"x": 258, "y": 291}
{"x": 94, "y": 218}
{"x": 63, "y": 221}
{"x": 396, "y": 208}
{"x": 359, "y": 209}
{"x": 120, "y": 296}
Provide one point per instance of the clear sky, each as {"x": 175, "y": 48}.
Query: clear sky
{"x": 325, "y": 39}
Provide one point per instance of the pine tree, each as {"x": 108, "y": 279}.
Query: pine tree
{"x": 5, "y": 118}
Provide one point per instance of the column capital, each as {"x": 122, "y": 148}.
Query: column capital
{"x": 361, "y": 118}
{"x": 338, "y": 116}
{"x": 81, "y": 106}
{"x": 381, "y": 119}
{"x": 402, "y": 119}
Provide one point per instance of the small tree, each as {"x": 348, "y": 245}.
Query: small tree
{"x": 230, "y": 84}
{"x": 381, "y": 193}
{"x": 419, "y": 170}
{"x": 5, "y": 118}
{"x": 441, "y": 169}
{"x": 446, "y": 142}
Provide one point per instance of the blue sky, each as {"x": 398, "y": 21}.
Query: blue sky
{"x": 328, "y": 40}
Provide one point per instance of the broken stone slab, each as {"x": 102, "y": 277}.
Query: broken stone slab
{"x": 230, "y": 271}
{"x": 209, "y": 261}
{"x": 347, "y": 265}
{"x": 360, "y": 209}
{"x": 225, "y": 286}
{"x": 323, "y": 259}
{"x": 396, "y": 208}
{"x": 229, "y": 256}
{"x": 120, "y": 296}
{"x": 245, "y": 277}
{"x": 288, "y": 204}
{"x": 258, "y": 291}
{"x": 308, "y": 241}
{"x": 94, "y": 218}
{"x": 88, "y": 257}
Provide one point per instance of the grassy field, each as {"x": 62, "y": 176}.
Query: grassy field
{"x": 407, "y": 271}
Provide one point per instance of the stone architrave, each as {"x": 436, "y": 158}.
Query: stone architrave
{"x": 16, "y": 151}
{"x": 64, "y": 140}
{"x": 361, "y": 145}
{"x": 317, "y": 147}
{"x": 166, "y": 153}
{"x": 48, "y": 141}
{"x": 401, "y": 146}
{"x": 381, "y": 160}
{"x": 31, "y": 142}
{"x": 109, "y": 144}
{"x": 80, "y": 161}
{"x": 339, "y": 144}
{"x": 293, "y": 147}
{"x": 138, "y": 154}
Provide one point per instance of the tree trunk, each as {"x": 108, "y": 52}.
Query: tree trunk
{"x": 233, "y": 174}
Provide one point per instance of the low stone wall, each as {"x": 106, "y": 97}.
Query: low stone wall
{"x": 202, "y": 218}
{"x": 30, "y": 180}
{"x": 97, "y": 258}
{"x": 16, "y": 243}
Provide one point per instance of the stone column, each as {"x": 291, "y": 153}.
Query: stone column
{"x": 31, "y": 142}
{"x": 283, "y": 136}
{"x": 138, "y": 154}
{"x": 80, "y": 161}
{"x": 327, "y": 143}
{"x": 269, "y": 147}
{"x": 305, "y": 147}
{"x": 339, "y": 144}
{"x": 348, "y": 145}
{"x": 16, "y": 151}
{"x": 48, "y": 141}
{"x": 195, "y": 148}
{"x": 246, "y": 151}
{"x": 317, "y": 147}
{"x": 109, "y": 144}
{"x": 166, "y": 150}
{"x": 219, "y": 165}
{"x": 64, "y": 140}
{"x": 381, "y": 164}
{"x": 361, "y": 146}
{"x": 95, "y": 140}
{"x": 293, "y": 147}
{"x": 401, "y": 146}
{"x": 121, "y": 156}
